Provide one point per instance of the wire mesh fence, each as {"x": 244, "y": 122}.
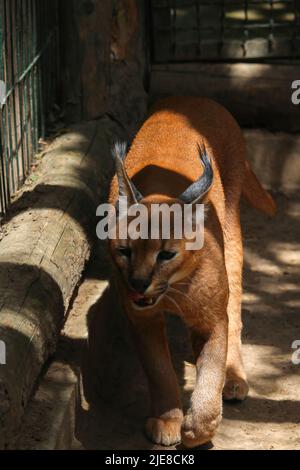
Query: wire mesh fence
{"x": 187, "y": 30}
{"x": 29, "y": 74}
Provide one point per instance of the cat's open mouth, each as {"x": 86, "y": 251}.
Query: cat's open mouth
{"x": 145, "y": 302}
{"x": 142, "y": 301}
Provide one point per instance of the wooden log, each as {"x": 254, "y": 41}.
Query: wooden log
{"x": 258, "y": 95}
{"x": 85, "y": 27}
{"x": 103, "y": 60}
{"x": 43, "y": 253}
{"x": 128, "y": 99}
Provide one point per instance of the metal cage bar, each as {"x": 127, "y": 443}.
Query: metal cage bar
{"x": 188, "y": 30}
{"x": 29, "y": 74}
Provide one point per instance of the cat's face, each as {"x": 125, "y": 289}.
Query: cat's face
{"x": 149, "y": 267}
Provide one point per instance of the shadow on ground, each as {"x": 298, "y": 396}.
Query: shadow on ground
{"x": 114, "y": 398}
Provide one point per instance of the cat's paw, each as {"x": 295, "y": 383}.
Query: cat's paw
{"x": 164, "y": 431}
{"x": 198, "y": 431}
{"x": 235, "y": 388}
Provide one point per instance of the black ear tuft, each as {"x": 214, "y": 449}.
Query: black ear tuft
{"x": 194, "y": 193}
{"x": 126, "y": 186}
{"x": 119, "y": 150}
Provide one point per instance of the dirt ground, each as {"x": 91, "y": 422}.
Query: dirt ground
{"x": 114, "y": 398}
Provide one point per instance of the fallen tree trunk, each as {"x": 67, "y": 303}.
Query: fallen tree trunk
{"x": 46, "y": 244}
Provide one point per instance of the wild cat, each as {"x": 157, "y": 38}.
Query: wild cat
{"x": 189, "y": 151}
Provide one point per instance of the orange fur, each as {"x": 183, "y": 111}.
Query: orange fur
{"x": 203, "y": 286}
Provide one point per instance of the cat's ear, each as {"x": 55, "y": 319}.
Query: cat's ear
{"x": 126, "y": 186}
{"x": 195, "y": 193}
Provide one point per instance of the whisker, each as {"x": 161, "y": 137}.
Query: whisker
{"x": 187, "y": 278}
{"x": 175, "y": 303}
{"x": 185, "y": 295}
{"x": 159, "y": 290}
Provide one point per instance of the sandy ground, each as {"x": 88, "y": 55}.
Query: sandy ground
{"x": 114, "y": 398}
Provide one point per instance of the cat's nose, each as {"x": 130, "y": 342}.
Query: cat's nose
{"x": 140, "y": 285}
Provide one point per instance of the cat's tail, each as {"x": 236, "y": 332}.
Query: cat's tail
{"x": 256, "y": 195}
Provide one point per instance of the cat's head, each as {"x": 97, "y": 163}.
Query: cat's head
{"x": 156, "y": 237}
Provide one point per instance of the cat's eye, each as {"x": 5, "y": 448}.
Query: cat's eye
{"x": 124, "y": 251}
{"x": 166, "y": 255}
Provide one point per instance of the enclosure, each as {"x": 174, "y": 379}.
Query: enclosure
{"x": 75, "y": 76}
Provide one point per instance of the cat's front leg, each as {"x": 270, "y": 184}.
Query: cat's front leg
{"x": 205, "y": 412}
{"x": 164, "y": 424}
